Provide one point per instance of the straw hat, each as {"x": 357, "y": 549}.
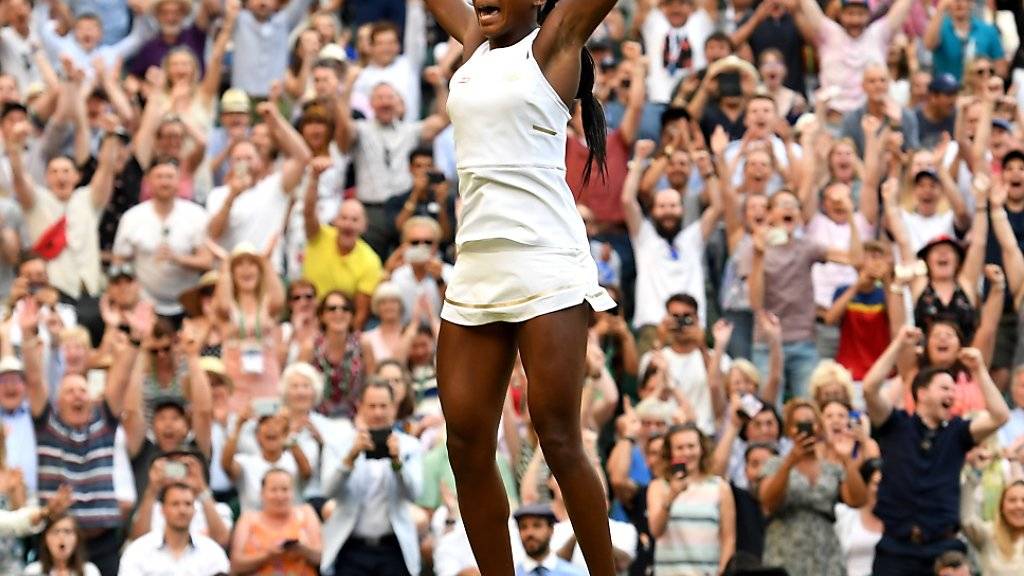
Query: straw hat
{"x": 191, "y": 299}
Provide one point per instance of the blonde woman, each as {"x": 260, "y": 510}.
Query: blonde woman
{"x": 831, "y": 381}
{"x": 1000, "y": 542}
{"x": 248, "y": 297}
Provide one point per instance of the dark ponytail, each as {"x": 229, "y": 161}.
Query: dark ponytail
{"x": 594, "y": 128}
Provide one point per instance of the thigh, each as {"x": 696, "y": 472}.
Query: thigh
{"x": 354, "y": 560}
{"x": 473, "y": 368}
{"x": 801, "y": 359}
{"x": 553, "y": 348}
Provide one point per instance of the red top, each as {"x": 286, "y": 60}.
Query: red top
{"x": 602, "y": 195}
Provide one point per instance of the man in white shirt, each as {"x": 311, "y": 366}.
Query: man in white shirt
{"x": 926, "y": 221}
{"x": 669, "y": 258}
{"x": 254, "y": 203}
{"x": 536, "y": 524}
{"x": 175, "y": 550}
{"x": 686, "y": 358}
{"x": 420, "y": 273}
{"x": 164, "y": 239}
{"x": 674, "y": 36}
{"x": 388, "y": 64}
{"x": 19, "y": 44}
{"x": 380, "y": 149}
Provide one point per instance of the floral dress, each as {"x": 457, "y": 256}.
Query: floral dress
{"x": 342, "y": 380}
{"x": 801, "y": 536}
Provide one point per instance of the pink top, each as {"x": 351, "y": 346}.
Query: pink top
{"x": 843, "y": 59}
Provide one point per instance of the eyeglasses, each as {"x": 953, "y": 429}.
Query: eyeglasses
{"x": 984, "y": 71}
{"x": 338, "y": 308}
{"x": 161, "y": 349}
{"x": 303, "y": 296}
{"x": 421, "y": 242}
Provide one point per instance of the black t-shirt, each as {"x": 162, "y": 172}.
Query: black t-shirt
{"x": 714, "y": 117}
{"x": 127, "y": 188}
{"x": 783, "y": 35}
{"x": 149, "y": 452}
{"x": 750, "y": 522}
{"x": 993, "y": 252}
{"x": 929, "y": 133}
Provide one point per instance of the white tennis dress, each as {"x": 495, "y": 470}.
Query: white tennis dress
{"x": 522, "y": 246}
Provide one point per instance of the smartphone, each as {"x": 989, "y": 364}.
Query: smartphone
{"x": 854, "y": 419}
{"x": 266, "y": 406}
{"x": 805, "y": 428}
{"x": 175, "y": 470}
{"x": 435, "y": 177}
{"x": 678, "y": 469}
{"x": 380, "y": 444}
{"x": 777, "y": 236}
{"x": 729, "y": 84}
{"x": 750, "y": 405}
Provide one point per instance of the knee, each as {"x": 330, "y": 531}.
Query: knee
{"x": 562, "y": 445}
{"x": 471, "y": 446}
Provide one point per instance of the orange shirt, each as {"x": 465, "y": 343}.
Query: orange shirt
{"x": 266, "y": 535}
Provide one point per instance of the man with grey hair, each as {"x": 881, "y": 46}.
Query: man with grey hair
{"x": 875, "y": 83}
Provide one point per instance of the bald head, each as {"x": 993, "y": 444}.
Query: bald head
{"x": 875, "y": 82}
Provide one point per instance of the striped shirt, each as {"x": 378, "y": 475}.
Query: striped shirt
{"x": 691, "y": 542}
{"x": 84, "y": 458}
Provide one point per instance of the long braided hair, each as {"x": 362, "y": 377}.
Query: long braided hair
{"x": 594, "y": 128}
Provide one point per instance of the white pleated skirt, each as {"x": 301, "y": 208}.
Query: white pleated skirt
{"x": 504, "y": 281}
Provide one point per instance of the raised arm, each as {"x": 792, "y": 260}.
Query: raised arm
{"x": 1013, "y": 259}
{"x": 974, "y": 260}
{"x": 458, "y": 19}
{"x": 878, "y": 406}
{"x": 345, "y": 133}
{"x": 290, "y": 141}
{"x": 439, "y": 120}
{"x": 755, "y": 281}
{"x": 215, "y": 65}
{"x": 630, "y": 204}
{"x": 996, "y": 411}
{"x": 636, "y": 97}
{"x": 32, "y": 353}
{"x": 102, "y": 184}
{"x": 931, "y": 35}
{"x": 310, "y": 221}
{"x": 200, "y": 396}
{"x": 24, "y": 191}
{"x": 156, "y": 106}
{"x": 811, "y": 12}
{"x": 898, "y": 12}
{"x": 872, "y": 168}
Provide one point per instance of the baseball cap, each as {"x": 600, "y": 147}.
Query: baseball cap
{"x": 944, "y": 84}
{"x": 234, "y": 101}
{"x": 942, "y": 239}
{"x": 11, "y": 364}
{"x": 162, "y": 402}
{"x": 1002, "y": 124}
{"x": 333, "y": 52}
{"x": 859, "y": 3}
{"x": 535, "y": 511}
{"x": 10, "y": 107}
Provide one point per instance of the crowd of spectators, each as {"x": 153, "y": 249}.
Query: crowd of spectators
{"x": 226, "y": 228}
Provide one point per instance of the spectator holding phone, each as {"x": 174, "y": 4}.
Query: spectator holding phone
{"x": 800, "y": 491}
{"x": 282, "y": 537}
{"x": 692, "y": 514}
{"x": 277, "y": 449}
{"x": 373, "y": 476}
{"x": 175, "y": 545}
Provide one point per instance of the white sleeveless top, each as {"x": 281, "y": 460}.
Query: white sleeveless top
{"x": 510, "y": 132}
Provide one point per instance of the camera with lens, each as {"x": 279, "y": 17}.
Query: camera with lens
{"x": 683, "y": 321}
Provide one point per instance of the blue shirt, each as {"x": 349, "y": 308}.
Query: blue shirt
{"x": 113, "y": 14}
{"x": 920, "y": 474}
{"x": 261, "y": 56}
{"x": 1013, "y": 429}
{"x": 20, "y": 441}
{"x": 948, "y": 56}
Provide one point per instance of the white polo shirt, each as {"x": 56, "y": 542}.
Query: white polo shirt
{"x": 150, "y": 556}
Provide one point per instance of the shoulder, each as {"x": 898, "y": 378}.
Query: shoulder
{"x": 142, "y": 545}
{"x": 216, "y": 197}
{"x": 367, "y": 253}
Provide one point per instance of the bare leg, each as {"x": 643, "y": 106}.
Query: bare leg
{"x": 473, "y": 369}
{"x": 553, "y": 348}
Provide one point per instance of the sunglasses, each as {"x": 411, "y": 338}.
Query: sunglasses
{"x": 161, "y": 349}
{"x": 421, "y": 242}
{"x": 303, "y": 296}
{"x": 338, "y": 308}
